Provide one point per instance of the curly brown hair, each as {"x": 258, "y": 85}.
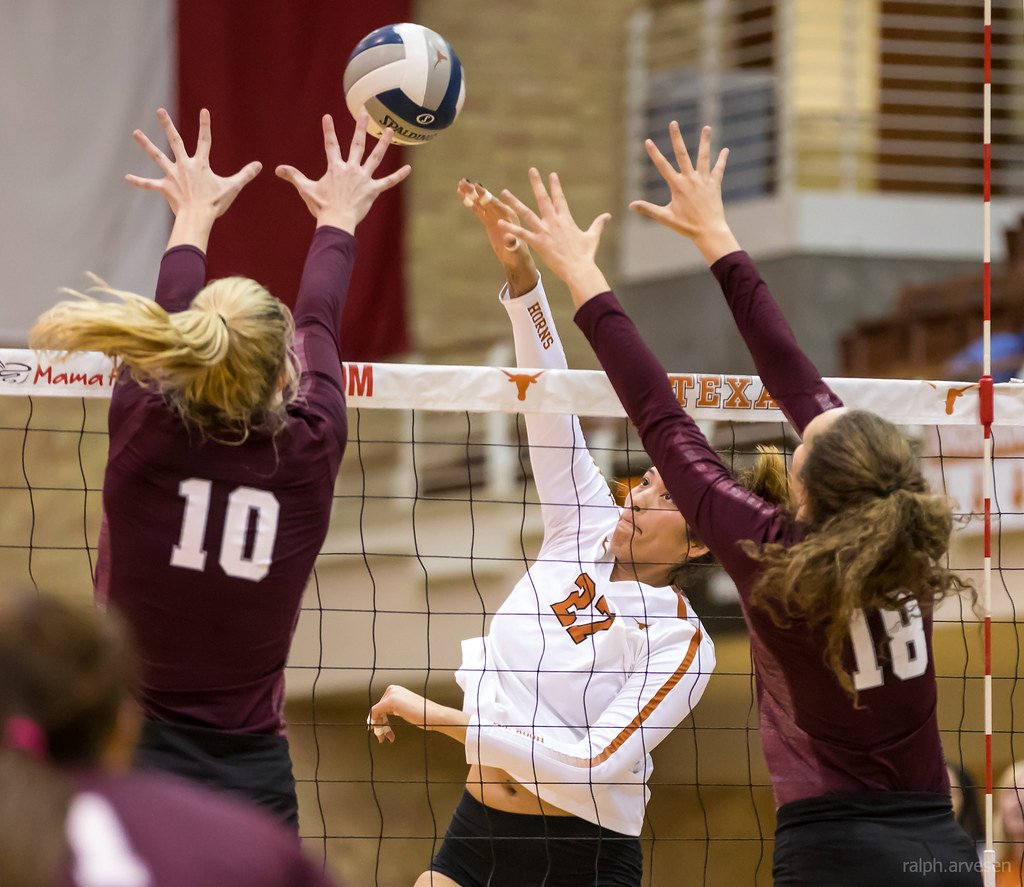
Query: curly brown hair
{"x": 876, "y": 537}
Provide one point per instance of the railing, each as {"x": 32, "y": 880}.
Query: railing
{"x": 848, "y": 95}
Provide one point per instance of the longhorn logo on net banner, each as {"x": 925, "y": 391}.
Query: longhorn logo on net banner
{"x": 522, "y": 382}
{"x": 952, "y": 394}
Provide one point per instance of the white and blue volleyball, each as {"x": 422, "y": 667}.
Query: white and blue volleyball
{"x": 406, "y": 78}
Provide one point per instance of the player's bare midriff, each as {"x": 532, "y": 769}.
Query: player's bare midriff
{"x": 498, "y": 790}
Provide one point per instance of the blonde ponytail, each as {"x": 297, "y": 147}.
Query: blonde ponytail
{"x": 225, "y": 364}
{"x": 767, "y": 477}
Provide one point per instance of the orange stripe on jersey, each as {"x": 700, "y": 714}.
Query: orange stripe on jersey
{"x": 655, "y": 701}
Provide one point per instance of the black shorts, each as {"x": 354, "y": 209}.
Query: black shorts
{"x": 256, "y": 766}
{"x": 873, "y": 839}
{"x": 490, "y": 848}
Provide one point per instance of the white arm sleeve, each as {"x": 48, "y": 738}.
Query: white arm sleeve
{"x": 654, "y": 700}
{"x": 574, "y": 495}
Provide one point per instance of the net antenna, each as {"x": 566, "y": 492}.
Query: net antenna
{"x": 986, "y": 415}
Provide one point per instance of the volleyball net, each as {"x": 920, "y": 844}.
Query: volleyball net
{"x": 435, "y": 519}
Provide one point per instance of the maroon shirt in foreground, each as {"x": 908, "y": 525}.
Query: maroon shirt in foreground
{"x": 171, "y": 833}
{"x": 206, "y": 548}
{"x": 815, "y": 741}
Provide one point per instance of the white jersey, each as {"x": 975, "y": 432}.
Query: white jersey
{"x": 579, "y": 677}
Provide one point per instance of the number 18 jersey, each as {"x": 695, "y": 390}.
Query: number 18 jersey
{"x": 817, "y": 740}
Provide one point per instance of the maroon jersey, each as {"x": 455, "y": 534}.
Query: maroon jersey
{"x": 144, "y": 830}
{"x": 815, "y": 740}
{"x": 206, "y": 547}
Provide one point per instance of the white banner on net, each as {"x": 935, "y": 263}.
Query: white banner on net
{"x": 706, "y": 396}
{"x": 945, "y": 413}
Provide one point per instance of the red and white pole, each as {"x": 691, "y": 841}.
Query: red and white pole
{"x": 987, "y": 411}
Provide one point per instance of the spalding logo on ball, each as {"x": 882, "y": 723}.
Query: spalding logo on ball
{"x": 406, "y": 78}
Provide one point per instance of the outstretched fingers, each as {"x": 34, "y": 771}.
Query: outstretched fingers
{"x": 389, "y": 181}
{"x": 597, "y": 226}
{"x": 489, "y": 210}
{"x": 719, "y": 169}
{"x": 558, "y": 201}
{"x": 484, "y": 204}
{"x": 379, "y": 150}
{"x": 521, "y": 209}
{"x": 155, "y": 154}
{"x": 682, "y": 155}
{"x": 290, "y": 173}
{"x": 518, "y": 232}
{"x": 245, "y": 175}
{"x": 467, "y": 192}
{"x": 667, "y": 170}
{"x": 173, "y": 137}
{"x": 205, "y": 139}
{"x": 704, "y": 151}
{"x": 303, "y": 185}
{"x": 358, "y": 143}
{"x": 540, "y": 193}
{"x": 331, "y": 146}
{"x": 651, "y": 210}
{"x": 145, "y": 184}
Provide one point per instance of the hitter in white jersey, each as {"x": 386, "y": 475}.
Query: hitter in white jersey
{"x": 590, "y": 662}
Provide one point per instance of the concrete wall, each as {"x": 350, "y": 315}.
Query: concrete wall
{"x": 686, "y": 321}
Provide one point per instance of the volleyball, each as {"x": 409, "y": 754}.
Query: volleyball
{"x": 406, "y": 78}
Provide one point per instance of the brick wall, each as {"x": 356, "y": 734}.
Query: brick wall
{"x": 545, "y": 86}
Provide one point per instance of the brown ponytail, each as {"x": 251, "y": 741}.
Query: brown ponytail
{"x": 876, "y": 537}
{"x": 33, "y": 804}
{"x": 68, "y": 670}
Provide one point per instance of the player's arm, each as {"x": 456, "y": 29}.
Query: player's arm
{"x": 713, "y": 502}
{"x": 654, "y": 700}
{"x": 417, "y": 710}
{"x": 570, "y": 486}
{"x": 695, "y": 210}
{"x": 338, "y": 200}
{"x": 197, "y": 197}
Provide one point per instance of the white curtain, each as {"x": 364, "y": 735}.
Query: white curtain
{"x": 75, "y": 79}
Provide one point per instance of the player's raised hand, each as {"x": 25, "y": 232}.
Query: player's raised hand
{"x": 512, "y": 252}
{"x": 695, "y": 206}
{"x": 188, "y": 184}
{"x": 343, "y": 195}
{"x": 566, "y": 249}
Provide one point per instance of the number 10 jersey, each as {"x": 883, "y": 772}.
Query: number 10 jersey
{"x": 206, "y": 547}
